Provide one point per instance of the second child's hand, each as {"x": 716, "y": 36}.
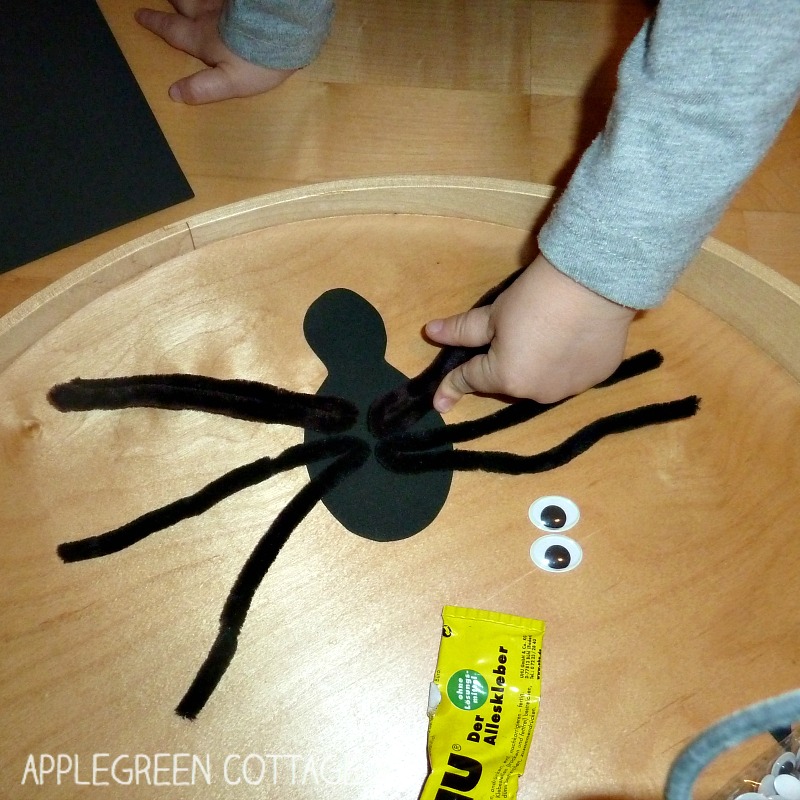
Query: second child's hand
{"x": 193, "y": 28}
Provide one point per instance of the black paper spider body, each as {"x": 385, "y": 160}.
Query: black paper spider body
{"x": 348, "y": 336}
{"x": 369, "y": 445}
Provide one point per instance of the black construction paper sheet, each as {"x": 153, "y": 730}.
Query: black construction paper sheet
{"x": 80, "y": 149}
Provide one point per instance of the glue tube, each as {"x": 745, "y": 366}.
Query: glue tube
{"x": 483, "y": 704}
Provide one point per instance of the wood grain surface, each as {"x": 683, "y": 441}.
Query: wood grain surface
{"x": 682, "y": 609}
{"x": 674, "y": 618}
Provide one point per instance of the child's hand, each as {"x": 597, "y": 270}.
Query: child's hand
{"x": 193, "y": 29}
{"x": 549, "y": 336}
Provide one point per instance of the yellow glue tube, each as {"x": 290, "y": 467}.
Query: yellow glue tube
{"x": 484, "y": 704}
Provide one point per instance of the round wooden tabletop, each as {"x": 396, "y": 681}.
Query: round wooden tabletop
{"x": 679, "y": 613}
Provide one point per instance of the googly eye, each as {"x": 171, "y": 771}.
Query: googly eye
{"x": 784, "y": 765}
{"x": 556, "y": 553}
{"x": 553, "y": 513}
{"x": 787, "y": 786}
{"x": 767, "y": 785}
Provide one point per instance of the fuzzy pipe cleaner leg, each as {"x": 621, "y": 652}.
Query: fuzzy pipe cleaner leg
{"x": 512, "y": 464}
{"x": 354, "y": 454}
{"x": 515, "y": 413}
{"x": 250, "y": 400}
{"x": 191, "y": 506}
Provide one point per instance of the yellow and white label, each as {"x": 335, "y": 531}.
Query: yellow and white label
{"x": 489, "y": 677}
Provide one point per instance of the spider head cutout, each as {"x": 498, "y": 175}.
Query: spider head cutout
{"x": 378, "y": 456}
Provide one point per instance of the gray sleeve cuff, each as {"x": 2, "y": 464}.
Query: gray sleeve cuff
{"x": 281, "y": 34}
{"x": 702, "y": 93}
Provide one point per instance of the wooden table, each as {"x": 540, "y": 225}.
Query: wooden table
{"x": 680, "y": 612}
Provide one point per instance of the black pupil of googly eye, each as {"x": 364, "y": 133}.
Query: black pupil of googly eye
{"x": 553, "y": 517}
{"x": 557, "y": 556}
{"x": 787, "y": 767}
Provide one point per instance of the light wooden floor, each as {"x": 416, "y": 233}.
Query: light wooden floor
{"x": 502, "y": 88}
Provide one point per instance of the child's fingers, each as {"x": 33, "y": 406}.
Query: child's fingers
{"x": 470, "y": 329}
{"x": 206, "y": 86}
{"x": 475, "y": 375}
{"x": 226, "y": 81}
{"x": 193, "y": 8}
{"x": 176, "y": 30}
{"x": 473, "y": 328}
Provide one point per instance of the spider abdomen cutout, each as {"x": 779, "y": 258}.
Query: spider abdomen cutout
{"x": 380, "y": 462}
{"x": 348, "y": 336}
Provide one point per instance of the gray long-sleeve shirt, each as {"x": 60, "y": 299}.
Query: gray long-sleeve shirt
{"x": 282, "y": 34}
{"x": 703, "y": 90}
